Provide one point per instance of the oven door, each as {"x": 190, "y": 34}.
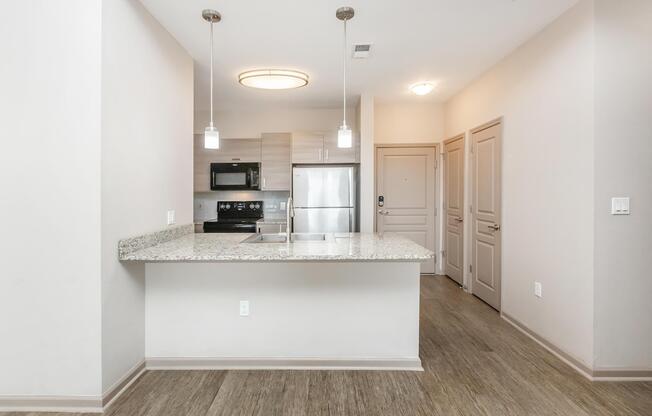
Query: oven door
{"x": 235, "y": 176}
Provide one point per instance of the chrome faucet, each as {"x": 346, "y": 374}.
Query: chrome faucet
{"x": 289, "y": 214}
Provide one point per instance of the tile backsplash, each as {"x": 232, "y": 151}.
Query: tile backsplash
{"x": 205, "y": 203}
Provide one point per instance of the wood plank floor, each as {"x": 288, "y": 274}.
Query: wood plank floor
{"x": 475, "y": 364}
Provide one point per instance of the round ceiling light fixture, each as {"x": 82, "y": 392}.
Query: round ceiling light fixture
{"x": 422, "y": 88}
{"x": 273, "y": 79}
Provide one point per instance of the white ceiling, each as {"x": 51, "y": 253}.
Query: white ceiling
{"x": 450, "y": 42}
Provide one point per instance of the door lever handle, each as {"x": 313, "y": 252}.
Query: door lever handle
{"x": 494, "y": 227}
{"x": 383, "y": 212}
{"x": 458, "y": 219}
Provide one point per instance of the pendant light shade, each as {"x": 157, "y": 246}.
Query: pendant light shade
{"x": 211, "y": 135}
{"x": 211, "y": 138}
{"x": 344, "y": 137}
{"x": 344, "y": 134}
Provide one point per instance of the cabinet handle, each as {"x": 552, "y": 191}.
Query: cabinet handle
{"x": 326, "y": 154}
{"x": 320, "y": 151}
{"x": 264, "y": 182}
{"x": 235, "y": 158}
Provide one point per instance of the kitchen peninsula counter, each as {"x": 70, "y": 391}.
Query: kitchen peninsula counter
{"x": 211, "y": 301}
{"x": 217, "y": 247}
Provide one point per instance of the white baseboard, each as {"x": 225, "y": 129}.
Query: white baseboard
{"x": 593, "y": 374}
{"x": 622, "y": 374}
{"x": 577, "y": 365}
{"x": 281, "y": 363}
{"x": 72, "y": 404}
{"x": 123, "y": 383}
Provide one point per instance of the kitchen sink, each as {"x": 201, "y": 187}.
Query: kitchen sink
{"x": 282, "y": 238}
{"x": 266, "y": 238}
{"x": 308, "y": 237}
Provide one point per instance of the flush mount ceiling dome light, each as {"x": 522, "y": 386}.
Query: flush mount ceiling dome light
{"x": 422, "y": 88}
{"x": 273, "y": 79}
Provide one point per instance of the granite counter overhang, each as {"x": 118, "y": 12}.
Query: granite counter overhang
{"x": 179, "y": 245}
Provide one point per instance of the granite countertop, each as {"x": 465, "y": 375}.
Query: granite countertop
{"x": 191, "y": 247}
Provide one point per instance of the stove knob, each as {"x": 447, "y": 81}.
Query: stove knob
{"x": 228, "y": 206}
{"x": 221, "y": 206}
{"x": 251, "y": 206}
{"x": 257, "y": 206}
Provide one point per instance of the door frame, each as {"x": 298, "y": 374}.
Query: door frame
{"x": 444, "y": 222}
{"x": 436, "y": 147}
{"x": 497, "y": 121}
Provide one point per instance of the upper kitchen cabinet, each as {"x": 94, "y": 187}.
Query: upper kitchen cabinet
{"x": 307, "y": 147}
{"x": 276, "y": 164}
{"x": 237, "y": 150}
{"x": 322, "y": 148}
{"x": 231, "y": 150}
{"x": 334, "y": 154}
{"x": 201, "y": 168}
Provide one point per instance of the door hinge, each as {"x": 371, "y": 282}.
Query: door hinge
{"x": 470, "y": 209}
{"x": 435, "y": 212}
{"x": 435, "y": 259}
{"x": 470, "y": 268}
{"x": 443, "y": 253}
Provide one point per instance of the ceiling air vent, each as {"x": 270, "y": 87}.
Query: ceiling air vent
{"x": 361, "y": 50}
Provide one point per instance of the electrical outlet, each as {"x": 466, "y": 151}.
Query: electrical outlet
{"x": 537, "y": 289}
{"x": 171, "y": 219}
{"x": 244, "y": 308}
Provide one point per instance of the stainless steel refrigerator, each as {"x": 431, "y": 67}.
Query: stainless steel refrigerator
{"x": 325, "y": 199}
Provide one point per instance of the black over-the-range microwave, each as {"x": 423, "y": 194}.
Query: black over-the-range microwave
{"x": 234, "y": 176}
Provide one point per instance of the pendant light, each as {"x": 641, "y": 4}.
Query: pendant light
{"x": 344, "y": 134}
{"x": 211, "y": 135}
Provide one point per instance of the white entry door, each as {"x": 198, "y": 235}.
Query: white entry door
{"x": 486, "y": 244}
{"x": 405, "y": 195}
{"x": 454, "y": 209}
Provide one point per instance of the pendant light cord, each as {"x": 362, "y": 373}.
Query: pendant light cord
{"x": 344, "y": 89}
{"x": 211, "y": 74}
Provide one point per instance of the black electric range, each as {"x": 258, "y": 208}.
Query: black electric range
{"x": 235, "y": 217}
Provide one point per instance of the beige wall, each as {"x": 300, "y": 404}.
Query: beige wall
{"x": 147, "y": 116}
{"x": 50, "y": 175}
{"x": 544, "y": 91}
{"x": 408, "y": 122}
{"x": 623, "y": 167}
{"x": 251, "y": 123}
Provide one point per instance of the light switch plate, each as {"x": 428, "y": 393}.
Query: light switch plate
{"x": 537, "y": 289}
{"x": 244, "y": 308}
{"x": 171, "y": 219}
{"x": 620, "y": 206}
